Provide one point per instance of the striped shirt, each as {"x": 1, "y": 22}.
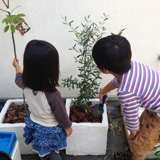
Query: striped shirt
{"x": 139, "y": 87}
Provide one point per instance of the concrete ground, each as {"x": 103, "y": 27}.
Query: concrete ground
{"x": 117, "y": 146}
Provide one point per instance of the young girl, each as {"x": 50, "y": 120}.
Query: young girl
{"x": 47, "y": 125}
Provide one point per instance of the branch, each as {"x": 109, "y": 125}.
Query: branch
{"x": 14, "y": 46}
{"x": 8, "y": 3}
{"x": 13, "y": 40}
{"x": 4, "y": 10}
{"x": 5, "y": 4}
{"x": 14, "y": 9}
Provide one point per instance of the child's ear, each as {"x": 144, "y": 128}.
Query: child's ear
{"x": 106, "y": 71}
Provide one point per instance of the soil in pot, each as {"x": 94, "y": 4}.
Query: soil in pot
{"x": 79, "y": 115}
{"x": 16, "y": 113}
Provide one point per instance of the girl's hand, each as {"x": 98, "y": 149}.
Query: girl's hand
{"x": 17, "y": 66}
{"x": 15, "y": 63}
{"x": 68, "y": 131}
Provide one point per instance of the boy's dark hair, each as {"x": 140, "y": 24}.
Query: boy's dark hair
{"x": 113, "y": 53}
{"x": 41, "y": 66}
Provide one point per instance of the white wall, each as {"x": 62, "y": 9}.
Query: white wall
{"x": 139, "y": 17}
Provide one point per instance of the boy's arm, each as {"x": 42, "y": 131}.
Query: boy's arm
{"x": 109, "y": 87}
{"x": 130, "y": 106}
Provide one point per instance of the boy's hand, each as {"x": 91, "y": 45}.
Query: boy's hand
{"x": 109, "y": 87}
{"x": 132, "y": 135}
{"x": 17, "y": 66}
{"x": 68, "y": 131}
{"x": 101, "y": 95}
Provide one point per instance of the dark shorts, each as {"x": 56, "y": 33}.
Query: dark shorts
{"x": 148, "y": 134}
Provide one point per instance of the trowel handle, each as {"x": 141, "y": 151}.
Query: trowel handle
{"x": 104, "y": 99}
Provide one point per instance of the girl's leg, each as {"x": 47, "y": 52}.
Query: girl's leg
{"x": 45, "y": 157}
{"x": 54, "y": 156}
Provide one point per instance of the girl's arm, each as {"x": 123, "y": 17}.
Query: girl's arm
{"x": 18, "y": 79}
{"x": 59, "y": 110}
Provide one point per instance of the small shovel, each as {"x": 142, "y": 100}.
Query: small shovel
{"x": 98, "y": 109}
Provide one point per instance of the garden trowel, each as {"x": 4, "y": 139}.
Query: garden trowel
{"x": 98, "y": 109}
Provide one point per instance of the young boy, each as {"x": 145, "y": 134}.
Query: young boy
{"x": 138, "y": 86}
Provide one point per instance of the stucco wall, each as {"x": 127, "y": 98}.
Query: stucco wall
{"x": 139, "y": 17}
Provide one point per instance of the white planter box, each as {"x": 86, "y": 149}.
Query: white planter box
{"x": 17, "y": 127}
{"x": 16, "y": 155}
{"x": 88, "y": 138}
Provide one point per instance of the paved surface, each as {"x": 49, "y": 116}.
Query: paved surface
{"x": 116, "y": 142}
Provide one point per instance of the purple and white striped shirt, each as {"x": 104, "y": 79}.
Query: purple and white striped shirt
{"x": 140, "y": 87}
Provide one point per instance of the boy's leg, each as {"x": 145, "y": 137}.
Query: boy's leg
{"x": 138, "y": 158}
{"x": 147, "y": 137}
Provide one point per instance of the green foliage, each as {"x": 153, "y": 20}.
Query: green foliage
{"x": 12, "y": 21}
{"x": 88, "y": 75}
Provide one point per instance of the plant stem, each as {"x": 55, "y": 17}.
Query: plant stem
{"x": 14, "y": 46}
{"x": 5, "y": 3}
{"x": 13, "y": 40}
{"x": 24, "y": 101}
{"x": 3, "y": 10}
{"x": 14, "y": 9}
{"x": 85, "y": 62}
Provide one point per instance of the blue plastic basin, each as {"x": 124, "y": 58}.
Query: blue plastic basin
{"x": 7, "y": 142}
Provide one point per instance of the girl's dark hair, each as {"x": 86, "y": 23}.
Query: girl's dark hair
{"x": 113, "y": 53}
{"x": 40, "y": 66}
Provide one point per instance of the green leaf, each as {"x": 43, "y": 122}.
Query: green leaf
{"x": 19, "y": 19}
{"x": 15, "y": 21}
{"x": 105, "y": 19}
{"x": 6, "y": 28}
{"x": 21, "y": 15}
{"x": 85, "y": 42}
{"x": 9, "y": 20}
{"x": 12, "y": 29}
{"x": 120, "y": 32}
{"x": 4, "y": 20}
{"x": 70, "y": 23}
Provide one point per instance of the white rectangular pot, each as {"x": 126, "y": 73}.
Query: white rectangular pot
{"x": 16, "y": 127}
{"x": 88, "y": 138}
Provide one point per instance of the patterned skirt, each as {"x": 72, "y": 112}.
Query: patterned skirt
{"x": 44, "y": 139}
